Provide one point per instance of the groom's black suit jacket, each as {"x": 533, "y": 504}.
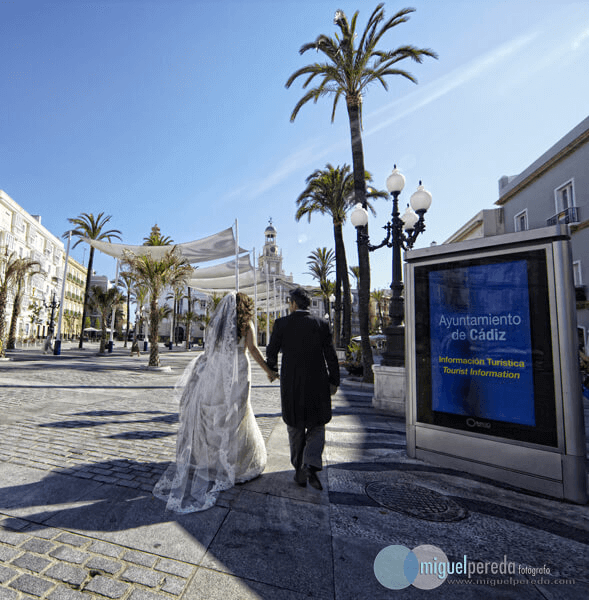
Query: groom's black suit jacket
{"x": 309, "y": 365}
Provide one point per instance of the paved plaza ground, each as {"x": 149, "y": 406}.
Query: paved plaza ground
{"x": 83, "y": 439}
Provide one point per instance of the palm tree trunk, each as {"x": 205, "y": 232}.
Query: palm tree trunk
{"x": 86, "y": 294}
{"x": 128, "y": 318}
{"x": 363, "y": 253}
{"x": 102, "y": 349}
{"x": 341, "y": 265}
{"x": 188, "y": 322}
{"x": 154, "y": 356}
{"x": 337, "y": 313}
{"x": 11, "y": 344}
{"x": 3, "y": 299}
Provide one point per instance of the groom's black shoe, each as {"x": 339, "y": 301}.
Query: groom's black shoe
{"x": 312, "y": 477}
{"x": 301, "y": 477}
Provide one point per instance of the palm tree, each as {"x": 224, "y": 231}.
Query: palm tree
{"x": 175, "y": 296}
{"x": 351, "y": 65}
{"x": 330, "y": 191}
{"x": 380, "y": 298}
{"x": 127, "y": 278}
{"x": 189, "y": 317}
{"x": 23, "y": 268}
{"x": 156, "y": 276}
{"x": 90, "y": 227}
{"x": 103, "y": 302}
{"x": 320, "y": 265}
{"x": 140, "y": 294}
{"x": 9, "y": 274}
{"x": 326, "y": 290}
{"x": 156, "y": 238}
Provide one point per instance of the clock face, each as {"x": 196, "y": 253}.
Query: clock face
{"x": 273, "y": 249}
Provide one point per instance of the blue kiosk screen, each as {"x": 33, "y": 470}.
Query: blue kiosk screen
{"x": 483, "y": 344}
{"x": 481, "y": 348}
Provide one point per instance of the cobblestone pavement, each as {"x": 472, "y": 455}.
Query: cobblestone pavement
{"x": 83, "y": 439}
{"x": 58, "y": 565}
{"x": 106, "y": 419}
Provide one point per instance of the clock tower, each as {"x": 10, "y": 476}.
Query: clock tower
{"x": 271, "y": 255}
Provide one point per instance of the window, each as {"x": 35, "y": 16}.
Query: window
{"x": 565, "y": 198}
{"x": 577, "y": 273}
{"x": 8, "y": 241}
{"x": 17, "y": 223}
{"x": 521, "y": 220}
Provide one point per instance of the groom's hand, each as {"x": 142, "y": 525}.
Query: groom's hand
{"x": 332, "y": 389}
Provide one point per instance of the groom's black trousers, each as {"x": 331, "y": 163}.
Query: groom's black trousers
{"x": 306, "y": 445}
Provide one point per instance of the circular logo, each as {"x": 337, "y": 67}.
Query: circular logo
{"x": 433, "y": 567}
{"x": 425, "y": 567}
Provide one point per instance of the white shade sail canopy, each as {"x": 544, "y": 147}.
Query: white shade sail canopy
{"x": 235, "y": 274}
{"x": 225, "y": 269}
{"x": 214, "y": 247}
{"x": 220, "y": 283}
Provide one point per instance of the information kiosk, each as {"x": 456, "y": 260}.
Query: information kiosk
{"x": 492, "y": 368}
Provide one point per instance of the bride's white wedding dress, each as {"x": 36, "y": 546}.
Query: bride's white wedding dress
{"x": 219, "y": 442}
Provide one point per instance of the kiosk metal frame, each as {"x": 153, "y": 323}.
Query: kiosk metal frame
{"x": 557, "y": 468}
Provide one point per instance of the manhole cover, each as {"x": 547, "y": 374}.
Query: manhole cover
{"x": 415, "y": 501}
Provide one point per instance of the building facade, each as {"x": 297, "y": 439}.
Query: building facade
{"x": 23, "y": 234}
{"x": 553, "y": 189}
{"x": 73, "y": 301}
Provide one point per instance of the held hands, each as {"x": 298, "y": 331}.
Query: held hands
{"x": 272, "y": 375}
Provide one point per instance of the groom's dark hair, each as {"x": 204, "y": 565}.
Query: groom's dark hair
{"x": 300, "y": 297}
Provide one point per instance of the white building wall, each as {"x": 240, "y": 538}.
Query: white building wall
{"x": 23, "y": 233}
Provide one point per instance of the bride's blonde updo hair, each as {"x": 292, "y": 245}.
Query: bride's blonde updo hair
{"x": 244, "y": 307}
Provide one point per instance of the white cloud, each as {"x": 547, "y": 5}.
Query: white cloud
{"x": 444, "y": 85}
{"x": 580, "y": 39}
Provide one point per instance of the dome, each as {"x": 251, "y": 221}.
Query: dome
{"x": 270, "y": 230}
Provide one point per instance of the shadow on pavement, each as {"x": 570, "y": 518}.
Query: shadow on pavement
{"x": 168, "y": 418}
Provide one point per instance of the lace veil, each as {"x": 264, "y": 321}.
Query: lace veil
{"x": 206, "y": 448}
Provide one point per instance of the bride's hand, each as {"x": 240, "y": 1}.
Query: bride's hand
{"x": 272, "y": 376}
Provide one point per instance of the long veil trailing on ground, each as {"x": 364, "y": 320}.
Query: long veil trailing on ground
{"x": 206, "y": 448}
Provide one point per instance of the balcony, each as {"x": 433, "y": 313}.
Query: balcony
{"x": 570, "y": 215}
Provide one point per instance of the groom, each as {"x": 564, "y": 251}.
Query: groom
{"x": 308, "y": 377}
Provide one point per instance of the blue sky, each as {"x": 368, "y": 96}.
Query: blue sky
{"x": 176, "y": 113}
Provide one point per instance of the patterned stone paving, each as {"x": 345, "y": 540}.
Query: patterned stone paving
{"x": 109, "y": 420}
{"x": 58, "y": 565}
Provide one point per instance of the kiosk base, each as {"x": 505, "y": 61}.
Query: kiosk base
{"x": 389, "y": 390}
{"x": 535, "y": 469}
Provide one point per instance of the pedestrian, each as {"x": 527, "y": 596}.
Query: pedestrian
{"x": 135, "y": 348}
{"x": 309, "y": 376}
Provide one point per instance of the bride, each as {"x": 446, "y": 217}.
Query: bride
{"x": 219, "y": 442}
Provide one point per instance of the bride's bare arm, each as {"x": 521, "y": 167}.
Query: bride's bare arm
{"x": 251, "y": 345}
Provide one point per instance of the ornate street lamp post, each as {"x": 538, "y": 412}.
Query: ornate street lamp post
{"x": 52, "y": 305}
{"x": 402, "y": 231}
{"x": 57, "y": 344}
